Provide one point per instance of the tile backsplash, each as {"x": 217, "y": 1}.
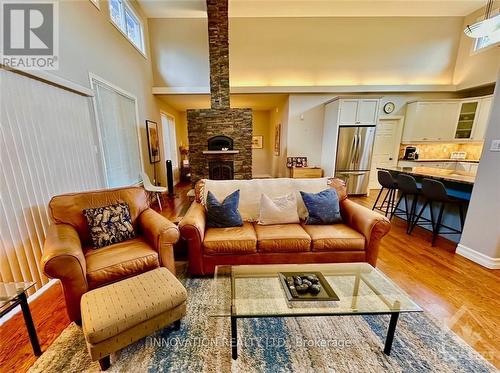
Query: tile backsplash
{"x": 443, "y": 150}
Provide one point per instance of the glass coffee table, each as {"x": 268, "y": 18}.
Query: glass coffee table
{"x": 255, "y": 291}
{"x": 13, "y": 294}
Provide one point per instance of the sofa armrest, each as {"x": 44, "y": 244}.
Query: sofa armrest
{"x": 63, "y": 259}
{"x": 161, "y": 234}
{"x": 192, "y": 228}
{"x": 369, "y": 223}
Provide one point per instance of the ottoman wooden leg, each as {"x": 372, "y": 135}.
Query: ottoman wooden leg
{"x": 105, "y": 363}
{"x": 177, "y": 325}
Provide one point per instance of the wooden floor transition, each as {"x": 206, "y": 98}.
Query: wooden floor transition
{"x": 452, "y": 289}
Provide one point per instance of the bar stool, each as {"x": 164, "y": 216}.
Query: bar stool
{"x": 387, "y": 181}
{"x": 435, "y": 191}
{"x": 407, "y": 186}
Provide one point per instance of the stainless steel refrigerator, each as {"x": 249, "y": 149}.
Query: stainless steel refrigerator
{"x": 354, "y": 157}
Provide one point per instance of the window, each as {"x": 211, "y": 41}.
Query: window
{"x": 118, "y": 133}
{"x": 493, "y": 38}
{"x": 124, "y": 17}
{"x": 169, "y": 140}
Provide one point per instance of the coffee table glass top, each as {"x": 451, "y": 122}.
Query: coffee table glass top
{"x": 10, "y": 290}
{"x": 256, "y": 291}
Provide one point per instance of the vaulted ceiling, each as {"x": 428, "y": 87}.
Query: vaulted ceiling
{"x": 314, "y": 8}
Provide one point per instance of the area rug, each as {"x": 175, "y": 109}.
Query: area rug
{"x": 317, "y": 344}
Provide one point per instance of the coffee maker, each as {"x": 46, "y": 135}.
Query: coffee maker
{"x": 411, "y": 153}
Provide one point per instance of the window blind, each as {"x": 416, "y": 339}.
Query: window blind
{"x": 119, "y": 135}
{"x": 48, "y": 143}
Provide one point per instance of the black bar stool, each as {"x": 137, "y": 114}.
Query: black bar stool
{"x": 387, "y": 181}
{"x": 408, "y": 189}
{"x": 435, "y": 191}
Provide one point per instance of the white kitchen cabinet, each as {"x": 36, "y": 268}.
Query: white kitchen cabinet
{"x": 355, "y": 112}
{"x": 483, "y": 115}
{"x": 348, "y": 112}
{"x": 467, "y": 118}
{"x": 430, "y": 121}
{"x": 460, "y": 120}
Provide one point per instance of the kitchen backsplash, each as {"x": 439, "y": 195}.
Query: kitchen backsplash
{"x": 443, "y": 151}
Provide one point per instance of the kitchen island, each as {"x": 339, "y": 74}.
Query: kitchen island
{"x": 458, "y": 184}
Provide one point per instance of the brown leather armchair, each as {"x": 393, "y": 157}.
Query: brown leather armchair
{"x": 68, "y": 254}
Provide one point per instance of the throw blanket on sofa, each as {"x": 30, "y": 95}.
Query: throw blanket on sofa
{"x": 251, "y": 191}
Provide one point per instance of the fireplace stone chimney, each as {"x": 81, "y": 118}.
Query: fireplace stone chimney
{"x": 218, "y": 46}
{"x": 220, "y": 120}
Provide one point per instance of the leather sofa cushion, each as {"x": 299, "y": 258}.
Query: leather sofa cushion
{"x": 335, "y": 237}
{"x": 282, "y": 238}
{"x": 232, "y": 240}
{"x": 118, "y": 261}
{"x": 68, "y": 208}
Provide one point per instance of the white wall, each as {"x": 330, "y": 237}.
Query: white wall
{"x": 89, "y": 42}
{"x": 311, "y": 51}
{"x": 179, "y": 49}
{"x": 475, "y": 68}
{"x": 480, "y": 240}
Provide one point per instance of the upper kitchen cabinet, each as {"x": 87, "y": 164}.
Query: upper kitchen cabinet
{"x": 479, "y": 130}
{"x": 466, "y": 119}
{"x": 430, "y": 121}
{"x": 356, "y": 112}
{"x": 460, "y": 120}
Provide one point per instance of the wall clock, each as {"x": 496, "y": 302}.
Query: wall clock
{"x": 389, "y": 107}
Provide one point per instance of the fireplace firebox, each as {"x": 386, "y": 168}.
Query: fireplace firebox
{"x": 221, "y": 170}
{"x": 220, "y": 142}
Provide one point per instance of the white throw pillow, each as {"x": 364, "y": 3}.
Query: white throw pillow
{"x": 279, "y": 210}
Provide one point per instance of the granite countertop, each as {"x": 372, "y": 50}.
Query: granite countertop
{"x": 439, "y": 160}
{"x": 435, "y": 173}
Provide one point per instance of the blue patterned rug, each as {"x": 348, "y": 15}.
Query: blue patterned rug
{"x": 318, "y": 344}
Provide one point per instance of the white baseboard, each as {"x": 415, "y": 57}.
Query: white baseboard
{"x": 477, "y": 257}
{"x": 17, "y": 309}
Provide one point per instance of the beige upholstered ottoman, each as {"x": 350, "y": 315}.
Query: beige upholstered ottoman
{"x": 119, "y": 314}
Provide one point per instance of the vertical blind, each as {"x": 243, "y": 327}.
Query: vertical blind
{"x": 48, "y": 146}
{"x": 116, "y": 113}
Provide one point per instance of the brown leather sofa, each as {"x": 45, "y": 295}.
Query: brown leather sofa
{"x": 68, "y": 254}
{"x": 357, "y": 239}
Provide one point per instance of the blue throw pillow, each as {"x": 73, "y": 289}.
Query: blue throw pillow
{"x": 323, "y": 207}
{"x": 225, "y": 214}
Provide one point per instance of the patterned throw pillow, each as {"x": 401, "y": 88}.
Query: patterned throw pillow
{"x": 323, "y": 207}
{"x": 109, "y": 224}
{"x": 225, "y": 214}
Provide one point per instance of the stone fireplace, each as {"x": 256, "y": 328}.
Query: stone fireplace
{"x": 210, "y": 130}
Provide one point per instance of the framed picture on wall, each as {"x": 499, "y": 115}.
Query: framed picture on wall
{"x": 153, "y": 141}
{"x": 257, "y": 142}
{"x": 277, "y": 139}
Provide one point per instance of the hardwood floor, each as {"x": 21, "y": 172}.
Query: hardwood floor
{"x": 450, "y": 288}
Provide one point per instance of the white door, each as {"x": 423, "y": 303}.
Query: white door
{"x": 367, "y": 112}
{"x": 170, "y": 142}
{"x": 385, "y": 149}
{"x": 348, "y": 112}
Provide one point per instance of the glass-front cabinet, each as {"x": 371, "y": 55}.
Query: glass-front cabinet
{"x": 466, "y": 119}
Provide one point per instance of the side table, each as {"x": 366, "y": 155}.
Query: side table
{"x": 13, "y": 294}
